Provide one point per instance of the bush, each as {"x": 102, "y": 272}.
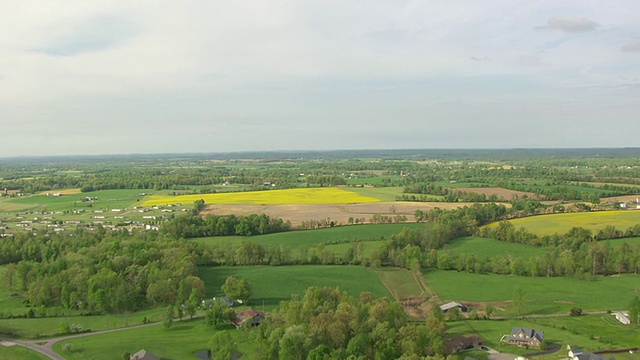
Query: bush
{"x": 575, "y": 311}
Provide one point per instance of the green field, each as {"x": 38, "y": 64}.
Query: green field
{"x": 309, "y": 238}
{"x": 50, "y": 326}
{"x": 181, "y": 342}
{"x": 382, "y": 193}
{"x": 562, "y": 223}
{"x": 544, "y": 295}
{"x": 483, "y": 248}
{"x": 20, "y": 353}
{"x": 272, "y": 284}
{"x": 400, "y": 282}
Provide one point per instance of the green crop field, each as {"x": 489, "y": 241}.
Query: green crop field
{"x": 368, "y": 247}
{"x": 181, "y": 342}
{"x": 562, "y": 223}
{"x": 619, "y": 242}
{"x": 309, "y": 238}
{"x": 272, "y": 284}
{"x": 382, "y": 193}
{"x": 400, "y": 282}
{"x": 544, "y": 295}
{"x": 484, "y": 248}
{"x": 19, "y": 353}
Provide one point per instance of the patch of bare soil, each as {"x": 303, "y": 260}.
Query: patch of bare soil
{"x": 339, "y": 213}
{"x": 620, "y": 199}
{"x": 63, "y": 192}
{"x": 500, "y": 193}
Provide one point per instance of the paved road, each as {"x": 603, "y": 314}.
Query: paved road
{"x": 47, "y": 348}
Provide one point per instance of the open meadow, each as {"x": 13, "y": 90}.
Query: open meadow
{"x": 272, "y": 284}
{"x": 562, "y": 223}
{"x": 483, "y": 248}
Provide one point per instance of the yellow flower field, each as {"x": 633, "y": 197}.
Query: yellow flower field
{"x": 268, "y": 197}
{"x": 562, "y": 223}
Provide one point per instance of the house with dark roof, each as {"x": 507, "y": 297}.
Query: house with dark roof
{"x": 524, "y": 337}
{"x": 143, "y": 355}
{"x": 576, "y": 353}
{"x": 452, "y": 305}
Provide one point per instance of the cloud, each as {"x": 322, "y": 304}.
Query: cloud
{"x": 480, "y": 58}
{"x": 97, "y": 34}
{"x": 571, "y": 24}
{"x": 633, "y": 46}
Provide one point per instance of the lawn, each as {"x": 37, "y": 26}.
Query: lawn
{"x": 20, "y": 353}
{"x": 309, "y": 238}
{"x": 555, "y": 295}
{"x": 181, "y": 342}
{"x": 562, "y": 223}
{"x": 269, "y": 197}
{"x": 484, "y": 248}
{"x": 50, "y": 326}
{"x": 272, "y": 284}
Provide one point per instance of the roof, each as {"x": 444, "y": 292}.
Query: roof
{"x": 451, "y": 305}
{"x": 528, "y": 333}
{"x": 143, "y": 355}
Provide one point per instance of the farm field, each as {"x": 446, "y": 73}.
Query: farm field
{"x": 400, "y": 282}
{"x": 268, "y": 197}
{"x": 309, "y": 238}
{"x": 555, "y": 295}
{"x": 339, "y": 213}
{"x": 382, "y": 193}
{"x": 500, "y": 193}
{"x": 181, "y": 342}
{"x": 487, "y": 248}
{"x": 562, "y": 223}
{"x": 107, "y": 199}
{"x": 272, "y": 284}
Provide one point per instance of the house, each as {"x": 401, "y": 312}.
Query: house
{"x": 460, "y": 343}
{"x": 576, "y": 353}
{"x": 252, "y": 316}
{"x": 525, "y": 337}
{"x": 143, "y": 355}
{"x": 452, "y": 305}
{"x": 622, "y": 316}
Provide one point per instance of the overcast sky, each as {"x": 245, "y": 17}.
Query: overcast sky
{"x": 112, "y": 77}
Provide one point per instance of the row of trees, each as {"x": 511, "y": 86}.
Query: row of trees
{"x": 194, "y": 226}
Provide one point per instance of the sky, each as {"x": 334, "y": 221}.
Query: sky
{"x": 120, "y": 77}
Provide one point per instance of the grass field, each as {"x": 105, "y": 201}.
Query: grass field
{"x": 50, "y": 326}
{"x": 484, "y": 248}
{"x": 400, "y": 282}
{"x": 309, "y": 238}
{"x": 181, "y": 342}
{"x": 382, "y": 193}
{"x": 269, "y": 197}
{"x": 19, "y": 353}
{"x": 562, "y": 223}
{"x": 544, "y": 295}
{"x": 274, "y": 284}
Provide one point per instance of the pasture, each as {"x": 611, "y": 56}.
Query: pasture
{"x": 554, "y": 295}
{"x": 483, "y": 248}
{"x": 268, "y": 197}
{"x": 562, "y": 223}
{"x": 106, "y": 200}
{"x": 272, "y": 284}
{"x": 309, "y": 238}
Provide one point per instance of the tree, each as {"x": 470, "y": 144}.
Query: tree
{"x": 235, "y": 288}
{"x": 634, "y": 310}
{"x": 222, "y": 346}
{"x": 520, "y": 301}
